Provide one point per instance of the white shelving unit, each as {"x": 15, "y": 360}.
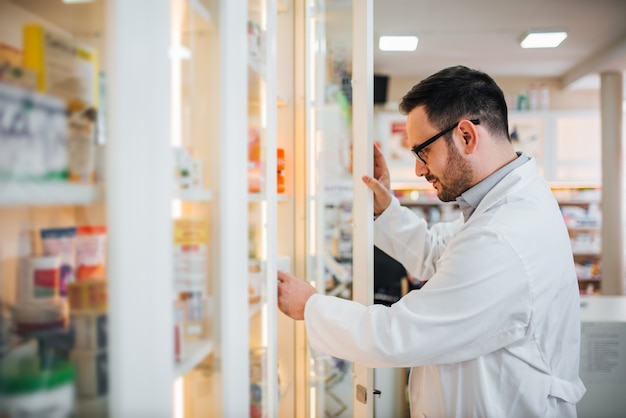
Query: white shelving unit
{"x": 196, "y": 352}
{"x": 194, "y": 195}
{"x": 48, "y": 194}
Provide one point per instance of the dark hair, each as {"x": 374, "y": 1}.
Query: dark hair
{"x": 456, "y": 93}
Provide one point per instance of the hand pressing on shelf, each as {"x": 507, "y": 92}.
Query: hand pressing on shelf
{"x": 293, "y": 294}
{"x": 380, "y": 183}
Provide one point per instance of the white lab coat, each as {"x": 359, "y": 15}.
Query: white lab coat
{"x": 495, "y": 332}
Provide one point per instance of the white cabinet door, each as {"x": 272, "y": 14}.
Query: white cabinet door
{"x": 338, "y": 111}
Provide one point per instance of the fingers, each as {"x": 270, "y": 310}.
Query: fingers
{"x": 376, "y": 186}
{"x": 293, "y": 294}
{"x": 382, "y": 195}
{"x": 379, "y": 158}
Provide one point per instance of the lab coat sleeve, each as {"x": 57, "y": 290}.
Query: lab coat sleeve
{"x": 472, "y": 305}
{"x": 407, "y": 238}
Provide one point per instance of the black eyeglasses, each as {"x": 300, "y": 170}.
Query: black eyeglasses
{"x": 419, "y": 149}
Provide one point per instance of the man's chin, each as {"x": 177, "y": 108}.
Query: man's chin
{"x": 443, "y": 196}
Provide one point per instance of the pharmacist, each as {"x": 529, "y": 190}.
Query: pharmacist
{"x": 495, "y": 331}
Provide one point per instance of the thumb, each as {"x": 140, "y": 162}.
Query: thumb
{"x": 382, "y": 196}
{"x": 373, "y": 184}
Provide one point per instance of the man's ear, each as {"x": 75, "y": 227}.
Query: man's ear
{"x": 469, "y": 133}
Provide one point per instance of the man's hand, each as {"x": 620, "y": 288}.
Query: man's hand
{"x": 380, "y": 184}
{"x": 293, "y": 293}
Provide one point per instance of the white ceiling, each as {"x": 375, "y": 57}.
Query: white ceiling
{"x": 485, "y": 34}
{"x": 482, "y": 34}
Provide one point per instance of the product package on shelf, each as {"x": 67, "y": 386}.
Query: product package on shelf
{"x": 189, "y": 171}
{"x": 81, "y": 144}
{"x": 39, "y": 307}
{"x": 256, "y": 46}
{"x": 32, "y": 320}
{"x": 91, "y": 252}
{"x": 31, "y": 386}
{"x": 60, "y": 242}
{"x": 192, "y": 321}
{"x": 280, "y": 170}
{"x": 11, "y": 70}
{"x": 92, "y": 378}
{"x": 255, "y": 173}
{"x": 89, "y": 353}
{"x": 255, "y": 281}
{"x": 88, "y": 295}
{"x": 39, "y": 281}
{"x": 10, "y": 56}
{"x": 64, "y": 68}
{"x": 33, "y": 135}
{"x": 190, "y": 253}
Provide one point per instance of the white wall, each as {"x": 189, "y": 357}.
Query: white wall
{"x": 559, "y": 99}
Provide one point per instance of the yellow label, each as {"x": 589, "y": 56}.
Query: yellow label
{"x": 191, "y": 231}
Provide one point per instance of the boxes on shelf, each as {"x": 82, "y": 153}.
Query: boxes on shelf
{"x": 189, "y": 171}
{"x": 192, "y": 321}
{"x": 60, "y": 243}
{"x": 92, "y": 372}
{"x": 11, "y": 70}
{"x": 280, "y": 170}
{"x": 255, "y": 172}
{"x": 191, "y": 237}
{"x": 39, "y": 281}
{"x": 31, "y": 320}
{"x": 255, "y": 281}
{"x": 90, "y": 330}
{"x": 82, "y": 144}
{"x": 90, "y": 251}
{"x": 89, "y": 295}
{"x": 29, "y": 388}
{"x": 64, "y": 68}
{"x": 33, "y": 136}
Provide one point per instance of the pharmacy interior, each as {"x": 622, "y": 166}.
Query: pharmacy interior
{"x": 160, "y": 160}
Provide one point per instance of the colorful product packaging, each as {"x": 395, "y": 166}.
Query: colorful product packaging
{"x": 190, "y": 252}
{"x": 60, "y": 242}
{"x": 39, "y": 282}
{"x": 33, "y": 136}
{"x": 88, "y": 295}
{"x": 81, "y": 144}
{"x": 280, "y": 170}
{"x": 90, "y": 252}
{"x": 32, "y": 319}
{"x": 255, "y": 173}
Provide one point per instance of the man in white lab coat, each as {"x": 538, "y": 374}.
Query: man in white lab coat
{"x": 495, "y": 331}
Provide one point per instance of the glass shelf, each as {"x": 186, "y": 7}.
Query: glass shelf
{"x": 48, "y": 193}
{"x": 197, "y": 351}
{"x": 194, "y": 195}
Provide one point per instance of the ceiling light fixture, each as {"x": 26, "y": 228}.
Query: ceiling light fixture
{"x": 397, "y": 43}
{"x": 543, "y": 39}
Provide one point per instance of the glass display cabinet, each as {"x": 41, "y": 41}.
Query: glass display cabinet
{"x": 54, "y": 229}
{"x": 124, "y": 197}
{"x": 263, "y": 173}
{"x": 339, "y": 106}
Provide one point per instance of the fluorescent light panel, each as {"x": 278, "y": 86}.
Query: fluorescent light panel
{"x": 543, "y": 39}
{"x": 397, "y": 43}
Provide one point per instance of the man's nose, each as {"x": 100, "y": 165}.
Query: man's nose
{"x": 420, "y": 168}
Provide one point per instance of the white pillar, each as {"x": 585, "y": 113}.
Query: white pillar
{"x": 611, "y": 97}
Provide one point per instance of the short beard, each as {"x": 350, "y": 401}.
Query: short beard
{"x": 456, "y": 178}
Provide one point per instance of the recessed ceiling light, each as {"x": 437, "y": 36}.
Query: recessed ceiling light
{"x": 77, "y": 1}
{"x": 543, "y": 39}
{"x": 397, "y": 43}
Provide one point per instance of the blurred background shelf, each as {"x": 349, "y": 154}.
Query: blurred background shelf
{"x": 48, "y": 193}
